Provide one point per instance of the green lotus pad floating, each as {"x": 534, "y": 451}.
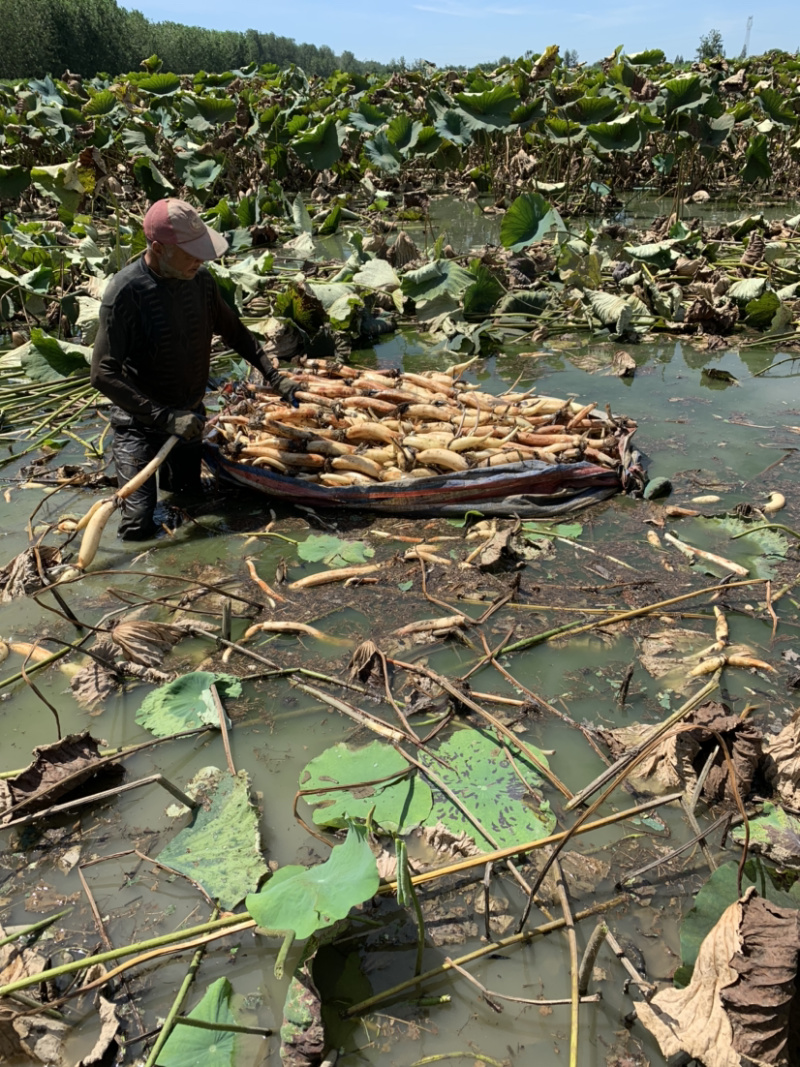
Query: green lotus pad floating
{"x": 305, "y": 899}
{"x": 325, "y": 548}
{"x": 221, "y": 849}
{"x": 484, "y": 780}
{"x": 399, "y": 805}
{"x": 185, "y": 703}
{"x": 187, "y": 1046}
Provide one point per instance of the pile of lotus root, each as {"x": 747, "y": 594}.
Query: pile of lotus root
{"x": 354, "y": 426}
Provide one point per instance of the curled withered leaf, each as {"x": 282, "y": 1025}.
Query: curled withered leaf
{"x": 739, "y": 1007}
{"x": 363, "y": 660}
{"x": 27, "y": 572}
{"x": 146, "y": 642}
{"x": 679, "y": 757}
{"x": 782, "y": 768}
{"x": 27, "y": 1037}
{"x": 94, "y": 684}
{"x": 56, "y": 770}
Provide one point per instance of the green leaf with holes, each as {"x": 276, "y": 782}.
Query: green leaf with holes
{"x": 221, "y": 850}
{"x": 483, "y": 778}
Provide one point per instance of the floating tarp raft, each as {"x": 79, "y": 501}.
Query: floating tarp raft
{"x": 421, "y": 444}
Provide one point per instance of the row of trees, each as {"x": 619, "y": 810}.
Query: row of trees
{"x": 88, "y": 36}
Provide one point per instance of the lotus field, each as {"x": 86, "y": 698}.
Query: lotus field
{"x": 277, "y": 160}
{"x": 427, "y": 820}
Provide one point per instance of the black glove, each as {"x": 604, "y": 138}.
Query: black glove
{"x": 185, "y": 424}
{"x": 283, "y": 385}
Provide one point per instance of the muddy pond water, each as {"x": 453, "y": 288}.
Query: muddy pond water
{"x": 732, "y": 440}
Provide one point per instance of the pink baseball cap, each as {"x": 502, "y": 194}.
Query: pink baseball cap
{"x": 174, "y": 222}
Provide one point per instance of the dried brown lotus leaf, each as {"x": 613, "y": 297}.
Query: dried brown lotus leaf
{"x": 782, "y": 768}
{"x": 739, "y": 1007}
{"x": 146, "y": 642}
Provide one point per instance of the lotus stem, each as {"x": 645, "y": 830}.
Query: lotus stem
{"x": 531, "y": 846}
{"x": 573, "y": 629}
{"x": 176, "y": 1006}
{"x": 126, "y": 950}
{"x": 34, "y": 927}
{"x": 590, "y": 956}
{"x": 486, "y": 950}
{"x": 228, "y": 1028}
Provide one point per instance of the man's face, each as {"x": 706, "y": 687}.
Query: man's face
{"x": 173, "y": 262}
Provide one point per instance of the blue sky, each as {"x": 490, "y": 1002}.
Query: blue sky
{"x": 449, "y": 32}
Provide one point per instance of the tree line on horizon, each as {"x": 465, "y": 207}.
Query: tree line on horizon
{"x": 87, "y": 37}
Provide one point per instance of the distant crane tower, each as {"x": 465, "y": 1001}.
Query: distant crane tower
{"x": 743, "y": 53}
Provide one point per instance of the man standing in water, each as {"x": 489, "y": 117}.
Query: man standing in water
{"x": 152, "y": 355}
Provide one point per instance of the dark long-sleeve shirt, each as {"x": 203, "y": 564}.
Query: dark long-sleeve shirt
{"x": 153, "y": 346}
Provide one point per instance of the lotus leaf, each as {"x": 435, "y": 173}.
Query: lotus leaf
{"x": 382, "y": 153}
{"x": 13, "y": 181}
{"x": 187, "y": 1046}
{"x": 101, "y": 103}
{"x": 439, "y": 278}
{"x": 747, "y": 290}
{"x": 659, "y": 254}
{"x": 775, "y": 105}
{"x": 215, "y": 109}
{"x": 331, "y": 222}
{"x": 761, "y": 312}
{"x": 719, "y": 892}
{"x": 403, "y": 132}
{"x": 320, "y": 147}
{"x": 650, "y": 57}
{"x": 228, "y": 817}
{"x": 185, "y": 703}
{"x": 64, "y": 182}
{"x": 305, "y": 899}
{"x": 325, "y": 548}
{"x": 428, "y": 141}
{"x": 491, "y": 109}
{"x": 399, "y": 805}
{"x": 485, "y": 781}
{"x": 563, "y": 131}
{"x": 367, "y": 118}
{"x": 757, "y": 165}
{"x": 47, "y": 360}
{"x": 684, "y": 93}
{"x": 160, "y": 84}
{"x": 151, "y": 179}
{"x": 483, "y": 294}
{"x": 454, "y": 126}
{"x": 625, "y": 134}
{"x": 592, "y": 109}
{"x": 529, "y": 219}
{"x": 377, "y": 274}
